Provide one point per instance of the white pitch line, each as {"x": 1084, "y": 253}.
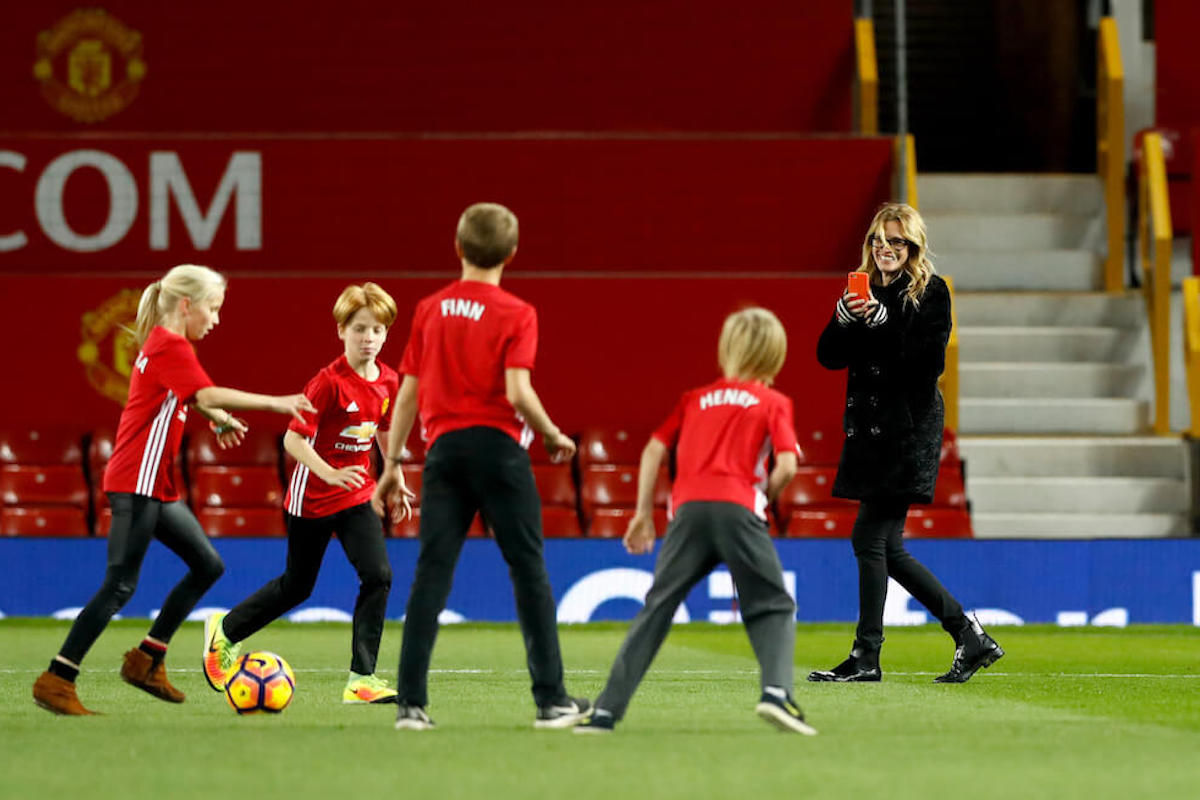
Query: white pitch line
{"x": 667, "y": 672}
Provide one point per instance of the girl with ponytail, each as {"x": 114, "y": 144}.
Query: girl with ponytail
{"x": 175, "y": 311}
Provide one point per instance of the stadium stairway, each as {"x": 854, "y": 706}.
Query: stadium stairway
{"x": 1054, "y": 373}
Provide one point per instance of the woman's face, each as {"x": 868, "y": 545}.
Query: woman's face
{"x": 891, "y": 254}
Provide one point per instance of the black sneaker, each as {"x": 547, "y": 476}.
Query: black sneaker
{"x": 784, "y": 714}
{"x": 976, "y": 651}
{"x": 565, "y": 713}
{"x": 599, "y": 721}
{"x": 413, "y": 718}
{"x": 857, "y": 668}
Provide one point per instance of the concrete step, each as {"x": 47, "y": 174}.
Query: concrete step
{"x": 1079, "y": 456}
{"x": 1012, "y": 193}
{"x": 1100, "y": 416}
{"x": 1077, "y": 495}
{"x": 1077, "y": 526}
{"x": 1045, "y": 344}
{"x": 983, "y": 270}
{"x": 1007, "y": 380}
{"x": 1065, "y": 309}
{"x": 1036, "y": 231}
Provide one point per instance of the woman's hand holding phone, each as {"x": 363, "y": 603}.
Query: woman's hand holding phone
{"x": 858, "y": 297}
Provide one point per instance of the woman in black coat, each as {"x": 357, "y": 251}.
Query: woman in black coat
{"x": 893, "y": 342}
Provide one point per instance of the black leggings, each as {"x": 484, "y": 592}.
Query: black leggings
{"x": 878, "y": 540}
{"x": 136, "y": 520}
{"x": 361, "y": 533}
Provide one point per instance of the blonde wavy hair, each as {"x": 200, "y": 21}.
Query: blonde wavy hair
{"x": 753, "y": 345}
{"x": 918, "y": 265}
{"x": 160, "y": 298}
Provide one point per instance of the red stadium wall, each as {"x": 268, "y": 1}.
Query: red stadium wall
{"x": 388, "y": 205}
{"x": 1177, "y": 80}
{"x": 472, "y": 65}
{"x": 613, "y": 351}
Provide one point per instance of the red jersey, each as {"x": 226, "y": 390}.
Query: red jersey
{"x": 462, "y": 340}
{"x": 165, "y": 378}
{"x": 350, "y": 409}
{"x": 724, "y": 433}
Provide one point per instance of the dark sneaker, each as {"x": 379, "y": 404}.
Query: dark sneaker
{"x": 413, "y": 718}
{"x": 976, "y": 651}
{"x": 855, "y": 669}
{"x": 57, "y": 694}
{"x": 566, "y": 713}
{"x": 140, "y": 670}
{"x": 599, "y": 721}
{"x": 784, "y": 714}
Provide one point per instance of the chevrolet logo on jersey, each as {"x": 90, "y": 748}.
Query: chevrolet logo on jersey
{"x": 360, "y": 433}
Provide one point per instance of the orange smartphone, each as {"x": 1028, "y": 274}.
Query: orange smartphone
{"x": 859, "y": 284}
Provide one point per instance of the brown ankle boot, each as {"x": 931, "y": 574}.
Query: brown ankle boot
{"x": 58, "y": 695}
{"x": 140, "y": 670}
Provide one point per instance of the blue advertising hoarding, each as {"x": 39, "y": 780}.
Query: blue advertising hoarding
{"x": 1104, "y": 582}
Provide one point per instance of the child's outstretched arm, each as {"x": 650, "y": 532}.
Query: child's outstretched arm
{"x": 640, "y": 535}
{"x": 214, "y": 397}
{"x": 348, "y": 478}
{"x": 781, "y": 476}
{"x": 518, "y": 387}
{"x": 391, "y": 488}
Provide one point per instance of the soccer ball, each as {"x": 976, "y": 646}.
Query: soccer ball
{"x": 260, "y": 681}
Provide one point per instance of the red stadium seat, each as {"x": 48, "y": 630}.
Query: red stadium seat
{"x": 812, "y": 487}
{"x": 411, "y": 527}
{"x": 616, "y": 485}
{"x": 949, "y": 454}
{"x": 555, "y": 485}
{"x": 238, "y": 487}
{"x": 559, "y": 522}
{"x": 414, "y": 449}
{"x": 611, "y": 523}
{"x": 949, "y": 491}
{"x": 820, "y": 446}
{"x": 222, "y": 522}
{"x": 43, "y": 485}
{"x": 43, "y": 521}
{"x": 831, "y": 523}
{"x": 925, "y": 522}
{"x": 611, "y": 446}
{"x": 100, "y": 450}
{"x": 261, "y": 446}
{"x": 103, "y": 521}
{"x": 30, "y": 446}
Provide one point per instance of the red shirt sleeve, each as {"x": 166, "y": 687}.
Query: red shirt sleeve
{"x": 668, "y": 432}
{"x": 782, "y": 428}
{"x": 319, "y": 392}
{"x": 178, "y": 369}
{"x": 393, "y": 389}
{"x": 410, "y": 364}
{"x": 522, "y": 349}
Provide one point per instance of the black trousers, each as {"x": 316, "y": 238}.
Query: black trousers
{"x": 878, "y": 539}
{"x": 361, "y": 533}
{"x": 480, "y": 469}
{"x": 136, "y": 521}
{"x": 703, "y": 535}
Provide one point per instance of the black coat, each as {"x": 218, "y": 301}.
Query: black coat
{"x": 894, "y": 412}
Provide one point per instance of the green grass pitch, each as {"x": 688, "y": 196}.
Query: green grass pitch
{"x": 1087, "y": 713}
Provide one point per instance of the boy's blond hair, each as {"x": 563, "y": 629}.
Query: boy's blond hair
{"x": 753, "y": 345}
{"x": 369, "y": 296}
{"x": 192, "y": 281}
{"x": 487, "y": 234}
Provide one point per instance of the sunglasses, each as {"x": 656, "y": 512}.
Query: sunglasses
{"x": 895, "y": 243}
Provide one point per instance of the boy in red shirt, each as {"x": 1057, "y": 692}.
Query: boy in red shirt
{"x": 723, "y": 434}
{"x": 330, "y": 492}
{"x": 467, "y": 371}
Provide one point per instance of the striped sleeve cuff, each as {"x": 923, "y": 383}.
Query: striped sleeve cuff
{"x": 844, "y": 317}
{"x": 879, "y": 317}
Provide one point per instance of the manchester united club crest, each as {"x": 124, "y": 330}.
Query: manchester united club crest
{"x": 90, "y": 65}
{"x": 108, "y": 348}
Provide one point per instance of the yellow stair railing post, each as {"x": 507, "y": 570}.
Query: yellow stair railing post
{"x": 1154, "y": 249}
{"x": 866, "y": 84}
{"x": 1191, "y": 350}
{"x": 1110, "y": 148}
{"x": 949, "y": 380}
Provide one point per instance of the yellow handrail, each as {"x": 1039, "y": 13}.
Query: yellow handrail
{"x": 1191, "y": 349}
{"x": 1154, "y": 250}
{"x": 949, "y": 380}
{"x": 1110, "y": 148}
{"x": 867, "y": 77}
{"x": 906, "y": 146}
